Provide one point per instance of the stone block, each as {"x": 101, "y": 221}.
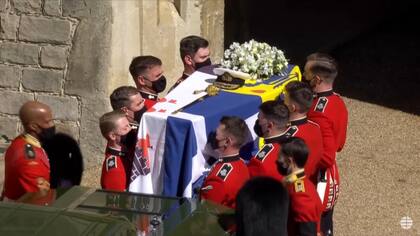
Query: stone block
{"x": 80, "y": 9}
{"x": 68, "y": 127}
{"x": 8, "y": 26}
{"x": 52, "y": 7}
{"x": 9, "y": 76}
{"x": 91, "y": 140}
{"x": 14, "y": 101}
{"x": 42, "y": 80}
{"x": 19, "y": 53}
{"x": 3, "y": 5}
{"x": 64, "y": 108}
{"x": 45, "y": 30}
{"x": 54, "y": 57}
{"x": 89, "y": 63}
{"x": 8, "y": 127}
{"x": 27, "y": 6}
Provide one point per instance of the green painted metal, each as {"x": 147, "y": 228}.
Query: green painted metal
{"x": 86, "y": 211}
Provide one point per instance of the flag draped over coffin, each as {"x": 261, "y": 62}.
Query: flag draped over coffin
{"x": 171, "y": 150}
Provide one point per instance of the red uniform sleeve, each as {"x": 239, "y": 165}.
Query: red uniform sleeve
{"x": 255, "y": 168}
{"x": 329, "y": 145}
{"x": 29, "y": 171}
{"x": 215, "y": 193}
{"x": 114, "y": 179}
{"x": 343, "y": 130}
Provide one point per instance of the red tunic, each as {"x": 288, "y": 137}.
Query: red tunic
{"x": 305, "y": 205}
{"x": 25, "y": 161}
{"x": 114, "y": 171}
{"x": 329, "y": 111}
{"x": 264, "y": 162}
{"x": 310, "y": 132}
{"x": 149, "y": 99}
{"x": 224, "y": 181}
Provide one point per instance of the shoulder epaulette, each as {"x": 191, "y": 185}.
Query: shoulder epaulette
{"x": 111, "y": 163}
{"x": 291, "y": 131}
{"x": 321, "y": 104}
{"x": 263, "y": 153}
{"x": 29, "y": 151}
{"x": 224, "y": 171}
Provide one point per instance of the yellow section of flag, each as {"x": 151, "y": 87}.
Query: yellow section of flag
{"x": 269, "y": 89}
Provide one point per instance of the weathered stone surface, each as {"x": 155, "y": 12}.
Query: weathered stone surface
{"x": 8, "y": 127}
{"x": 88, "y": 70}
{"x": 8, "y": 26}
{"x": 27, "y": 6}
{"x": 3, "y": 5}
{"x": 87, "y": 9}
{"x": 212, "y": 26}
{"x": 42, "y": 29}
{"x": 54, "y": 57}
{"x": 68, "y": 127}
{"x": 89, "y": 60}
{"x": 90, "y": 136}
{"x": 52, "y": 7}
{"x": 14, "y": 101}
{"x": 19, "y": 53}
{"x": 42, "y": 80}
{"x": 9, "y": 76}
{"x": 64, "y": 108}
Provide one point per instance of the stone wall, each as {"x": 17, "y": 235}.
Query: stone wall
{"x": 35, "y": 43}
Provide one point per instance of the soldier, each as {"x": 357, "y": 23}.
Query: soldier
{"x": 129, "y": 100}
{"x": 330, "y": 112}
{"x": 229, "y": 173}
{"x": 298, "y": 98}
{"x": 148, "y": 76}
{"x": 272, "y": 125}
{"x": 195, "y": 54}
{"x": 27, "y": 168}
{"x": 114, "y": 127}
{"x": 305, "y": 205}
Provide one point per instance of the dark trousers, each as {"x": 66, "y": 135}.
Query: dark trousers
{"x": 327, "y": 223}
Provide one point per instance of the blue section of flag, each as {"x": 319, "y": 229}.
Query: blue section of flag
{"x": 213, "y": 108}
{"x": 180, "y": 148}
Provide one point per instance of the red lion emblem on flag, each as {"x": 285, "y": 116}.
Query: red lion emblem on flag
{"x": 141, "y": 164}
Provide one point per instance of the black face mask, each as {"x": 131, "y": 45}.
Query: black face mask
{"x": 199, "y": 65}
{"x": 282, "y": 170}
{"x": 257, "y": 129}
{"x": 46, "y": 134}
{"x": 214, "y": 143}
{"x": 159, "y": 85}
{"x": 139, "y": 114}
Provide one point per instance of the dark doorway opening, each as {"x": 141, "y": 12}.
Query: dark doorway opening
{"x": 376, "y": 43}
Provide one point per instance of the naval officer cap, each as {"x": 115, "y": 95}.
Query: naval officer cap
{"x": 229, "y": 79}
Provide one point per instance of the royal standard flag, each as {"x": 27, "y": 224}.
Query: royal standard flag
{"x": 171, "y": 152}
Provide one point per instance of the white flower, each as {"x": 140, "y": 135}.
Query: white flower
{"x": 260, "y": 60}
